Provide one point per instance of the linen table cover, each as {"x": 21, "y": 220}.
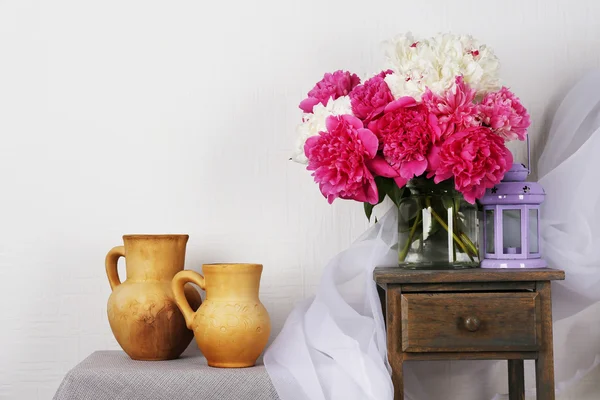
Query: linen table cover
{"x": 113, "y": 375}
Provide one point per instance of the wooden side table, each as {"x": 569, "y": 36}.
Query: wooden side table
{"x": 471, "y": 314}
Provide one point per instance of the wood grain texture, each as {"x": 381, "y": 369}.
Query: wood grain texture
{"x": 483, "y": 318}
{"x": 480, "y": 355}
{"x": 402, "y": 276}
{"x": 464, "y": 322}
{"x": 394, "y": 326}
{"x": 544, "y": 365}
{"x": 467, "y": 287}
{"x": 516, "y": 380}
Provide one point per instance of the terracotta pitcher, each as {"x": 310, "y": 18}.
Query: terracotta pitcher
{"x": 142, "y": 311}
{"x": 231, "y": 326}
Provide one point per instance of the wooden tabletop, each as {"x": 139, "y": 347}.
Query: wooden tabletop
{"x": 401, "y": 275}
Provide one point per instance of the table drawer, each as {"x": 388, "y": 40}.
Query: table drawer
{"x": 461, "y": 322}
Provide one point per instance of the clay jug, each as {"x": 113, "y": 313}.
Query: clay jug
{"x": 142, "y": 311}
{"x": 231, "y": 326}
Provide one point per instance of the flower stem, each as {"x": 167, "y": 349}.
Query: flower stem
{"x": 469, "y": 243}
{"x": 463, "y": 235}
{"x": 413, "y": 229}
{"x": 445, "y": 226}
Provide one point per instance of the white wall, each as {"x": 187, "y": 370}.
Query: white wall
{"x": 122, "y": 116}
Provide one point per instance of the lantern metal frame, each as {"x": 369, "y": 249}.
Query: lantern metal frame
{"x": 502, "y": 257}
{"x": 514, "y": 194}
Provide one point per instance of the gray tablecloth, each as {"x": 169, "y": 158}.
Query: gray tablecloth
{"x": 113, "y": 375}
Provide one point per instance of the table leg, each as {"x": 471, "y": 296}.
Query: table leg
{"x": 544, "y": 365}
{"x": 394, "y": 339}
{"x": 381, "y": 293}
{"x": 516, "y": 380}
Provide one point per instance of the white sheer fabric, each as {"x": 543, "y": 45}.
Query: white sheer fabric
{"x": 568, "y": 170}
{"x": 332, "y": 347}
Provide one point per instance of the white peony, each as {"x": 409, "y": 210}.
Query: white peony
{"x": 434, "y": 63}
{"x": 314, "y": 123}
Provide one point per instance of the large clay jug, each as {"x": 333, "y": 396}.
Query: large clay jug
{"x": 142, "y": 311}
{"x": 231, "y": 326}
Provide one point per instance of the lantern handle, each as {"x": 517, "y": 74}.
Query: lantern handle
{"x": 528, "y": 156}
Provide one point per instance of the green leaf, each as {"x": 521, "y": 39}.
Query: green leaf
{"x": 368, "y": 210}
{"x": 387, "y": 187}
{"x": 448, "y": 202}
{"x": 396, "y": 194}
{"x": 383, "y": 186}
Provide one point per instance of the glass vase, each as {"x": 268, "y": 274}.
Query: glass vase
{"x": 437, "y": 227}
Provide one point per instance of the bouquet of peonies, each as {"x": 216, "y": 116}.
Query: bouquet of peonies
{"x": 435, "y": 112}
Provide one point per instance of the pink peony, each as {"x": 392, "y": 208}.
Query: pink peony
{"x": 476, "y": 158}
{"x": 455, "y": 110}
{"x": 335, "y": 85}
{"x": 338, "y": 158}
{"x": 504, "y": 113}
{"x": 369, "y": 99}
{"x": 408, "y": 133}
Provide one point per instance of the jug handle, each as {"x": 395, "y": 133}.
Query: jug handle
{"x": 112, "y": 258}
{"x": 178, "y": 284}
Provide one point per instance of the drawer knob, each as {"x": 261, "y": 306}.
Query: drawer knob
{"x": 472, "y": 323}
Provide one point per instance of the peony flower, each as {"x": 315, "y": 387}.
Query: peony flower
{"x": 479, "y": 65}
{"x": 314, "y": 123}
{"x": 408, "y": 133}
{"x": 476, "y": 158}
{"x": 454, "y": 109}
{"x": 504, "y": 113}
{"x": 369, "y": 99}
{"x": 338, "y": 158}
{"x": 335, "y": 85}
{"x": 434, "y": 63}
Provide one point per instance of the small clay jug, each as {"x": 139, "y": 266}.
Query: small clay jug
{"x": 142, "y": 311}
{"x": 231, "y": 326}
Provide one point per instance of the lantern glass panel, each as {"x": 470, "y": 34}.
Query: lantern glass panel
{"x": 489, "y": 232}
{"x": 511, "y": 231}
{"x": 534, "y": 246}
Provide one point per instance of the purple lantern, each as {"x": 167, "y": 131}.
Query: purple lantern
{"x": 511, "y": 222}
